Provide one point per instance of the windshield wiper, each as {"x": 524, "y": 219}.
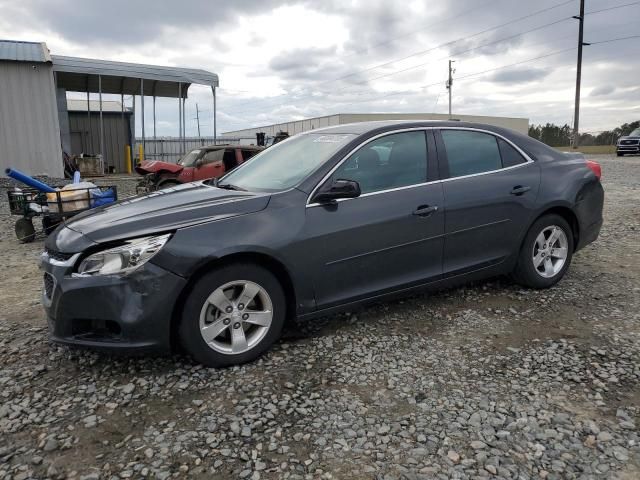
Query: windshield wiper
{"x": 230, "y": 186}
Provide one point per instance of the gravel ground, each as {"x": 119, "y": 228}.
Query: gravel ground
{"x": 486, "y": 381}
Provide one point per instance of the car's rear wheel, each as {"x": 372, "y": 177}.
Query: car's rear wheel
{"x": 232, "y": 315}
{"x": 546, "y": 253}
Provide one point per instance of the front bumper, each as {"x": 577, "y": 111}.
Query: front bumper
{"x": 628, "y": 148}
{"x": 129, "y": 312}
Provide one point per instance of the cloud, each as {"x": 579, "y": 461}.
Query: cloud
{"x": 601, "y": 91}
{"x": 282, "y": 59}
{"x": 519, "y": 75}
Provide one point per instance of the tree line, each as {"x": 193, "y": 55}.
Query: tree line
{"x": 560, "y": 136}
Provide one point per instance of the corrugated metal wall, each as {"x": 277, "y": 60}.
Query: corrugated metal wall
{"x": 518, "y": 124}
{"x": 170, "y": 149}
{"x": 85, "y": 139}
{"x": 291, "y": 127}
{"x": 29, "y": 129}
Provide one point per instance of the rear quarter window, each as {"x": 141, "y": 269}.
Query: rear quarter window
{"x": 510, "y": 156}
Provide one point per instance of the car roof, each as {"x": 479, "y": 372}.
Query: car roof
{"x": 228, "y": 145}
{"x": 382, "y": 125}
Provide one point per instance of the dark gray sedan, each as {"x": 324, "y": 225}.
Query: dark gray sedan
{"x": 324, "y": 221}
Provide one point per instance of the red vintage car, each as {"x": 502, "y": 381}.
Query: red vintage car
{"x": 202, "y": 163}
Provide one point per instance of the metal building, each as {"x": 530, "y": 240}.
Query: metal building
{"x": 84, "y": 136}
{"x": 29, "y": 128}
{"x": 34, "y": 122}
{"x": 518, "y": 124}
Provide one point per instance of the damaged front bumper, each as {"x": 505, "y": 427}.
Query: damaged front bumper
{"x": 124, "y": 312}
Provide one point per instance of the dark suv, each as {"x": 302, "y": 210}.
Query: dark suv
{"x": 629, "y": 143}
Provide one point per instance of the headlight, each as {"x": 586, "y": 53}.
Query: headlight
{"x": 124, "y": 258}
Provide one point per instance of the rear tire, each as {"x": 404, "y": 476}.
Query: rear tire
{"x": 25, "y": 230}
{"x": 546, "y": 253}
{"x": 232, "y": 315}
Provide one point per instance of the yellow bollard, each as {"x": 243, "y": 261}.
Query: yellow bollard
{"x": 127, "y": 159}
{"x": 140, "y": 154}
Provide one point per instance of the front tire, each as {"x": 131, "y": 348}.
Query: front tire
{"x": 232, "y": 315}
{"x": 546, "y": 253}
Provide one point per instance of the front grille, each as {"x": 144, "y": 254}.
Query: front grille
{"x": 629, "y": 142}
{"x": 59, "y": 256}
{"x": 49, "y": 283}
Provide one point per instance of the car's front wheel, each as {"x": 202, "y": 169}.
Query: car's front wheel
{"x": 546, "y": 253}
{"x": 232, "y": 315}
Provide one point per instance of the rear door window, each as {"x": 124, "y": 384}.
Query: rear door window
{"x": 470, "y": 152}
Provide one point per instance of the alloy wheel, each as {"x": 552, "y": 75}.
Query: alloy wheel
{"x": 550, "y": 251}
{"x": 236, "y": 317}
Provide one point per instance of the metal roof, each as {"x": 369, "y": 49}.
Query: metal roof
{"x": 81, "y": 74}
{"x": 79, "y": 105}
{"x": 17, "y": 51}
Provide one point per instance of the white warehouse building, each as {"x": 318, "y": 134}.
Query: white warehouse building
{"x": 248, "y": 135}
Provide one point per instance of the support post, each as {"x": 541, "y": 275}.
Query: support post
{"x": 184, "y": 127}
{"x": 179, "y": 116}
{"x": 124, "y": 132}
{"x": 142, "y": 110}
{"x": 102, "y": 155}
{"x": 155, "y": 140}
{"x": 133, "y": 129}
{"x": 127, "y": 158}
{"x": 450, "y": 84}
{"x": 90, "y": 137}
{"x": 576, "y": 117}
{"x": 215, "y": 137}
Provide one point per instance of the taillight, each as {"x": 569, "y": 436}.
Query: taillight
{"x": 595, "y": 167}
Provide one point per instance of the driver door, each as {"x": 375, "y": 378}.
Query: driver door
{"x": 211, "y": 165}
{"x": 389, "y": 237}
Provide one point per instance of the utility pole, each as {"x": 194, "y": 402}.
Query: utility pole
{"x": 576, "y": 118}
{"x": 198, "y": 119}
{"x": 450, "y": 83}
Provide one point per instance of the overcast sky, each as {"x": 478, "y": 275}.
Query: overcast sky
{"x": 283, "y": 60}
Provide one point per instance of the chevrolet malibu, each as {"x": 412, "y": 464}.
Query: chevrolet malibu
{"x": 324, "y": 221}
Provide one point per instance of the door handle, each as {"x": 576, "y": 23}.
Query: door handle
{"x": 425, "y": 210}
{"x": 520, "y": 190}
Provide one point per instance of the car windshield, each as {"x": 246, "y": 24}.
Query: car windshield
{"x": 190, "y": 158}
{"x": 285, "y": 164}
{"x": 635, "y": 133}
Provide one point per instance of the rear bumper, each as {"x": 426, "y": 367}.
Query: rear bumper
{"x": 589, "y": 234}
{"x": 126, "y": 313}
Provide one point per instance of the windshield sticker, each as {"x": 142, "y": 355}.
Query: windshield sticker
{"x": 330, "y": 138}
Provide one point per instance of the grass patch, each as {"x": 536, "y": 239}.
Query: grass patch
{"x": 593, "y": 149}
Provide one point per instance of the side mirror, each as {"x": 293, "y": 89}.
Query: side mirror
{"x": 336, "y": 190}
{"x": 199, "y": 163}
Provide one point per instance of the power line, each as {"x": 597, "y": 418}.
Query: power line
{"x": 447, "y": 19}
{"x": 495, "y": 27}
{"x": 475, "y": 74}
{"x": 361, "y": 92}
{"x": 614, "y": 39}
{"x": 464, "y": 52}
{"x": 422, "y": 52}
{"x": 611, "y": 8}
{"x": 457, "y": 54}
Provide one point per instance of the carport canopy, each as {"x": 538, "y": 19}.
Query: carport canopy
{"x": 85, "y": 74}
{"x": 104, "y": 76}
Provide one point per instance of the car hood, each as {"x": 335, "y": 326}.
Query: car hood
{"x": 162, "y": 211}
{"x": 153, "y": 166}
